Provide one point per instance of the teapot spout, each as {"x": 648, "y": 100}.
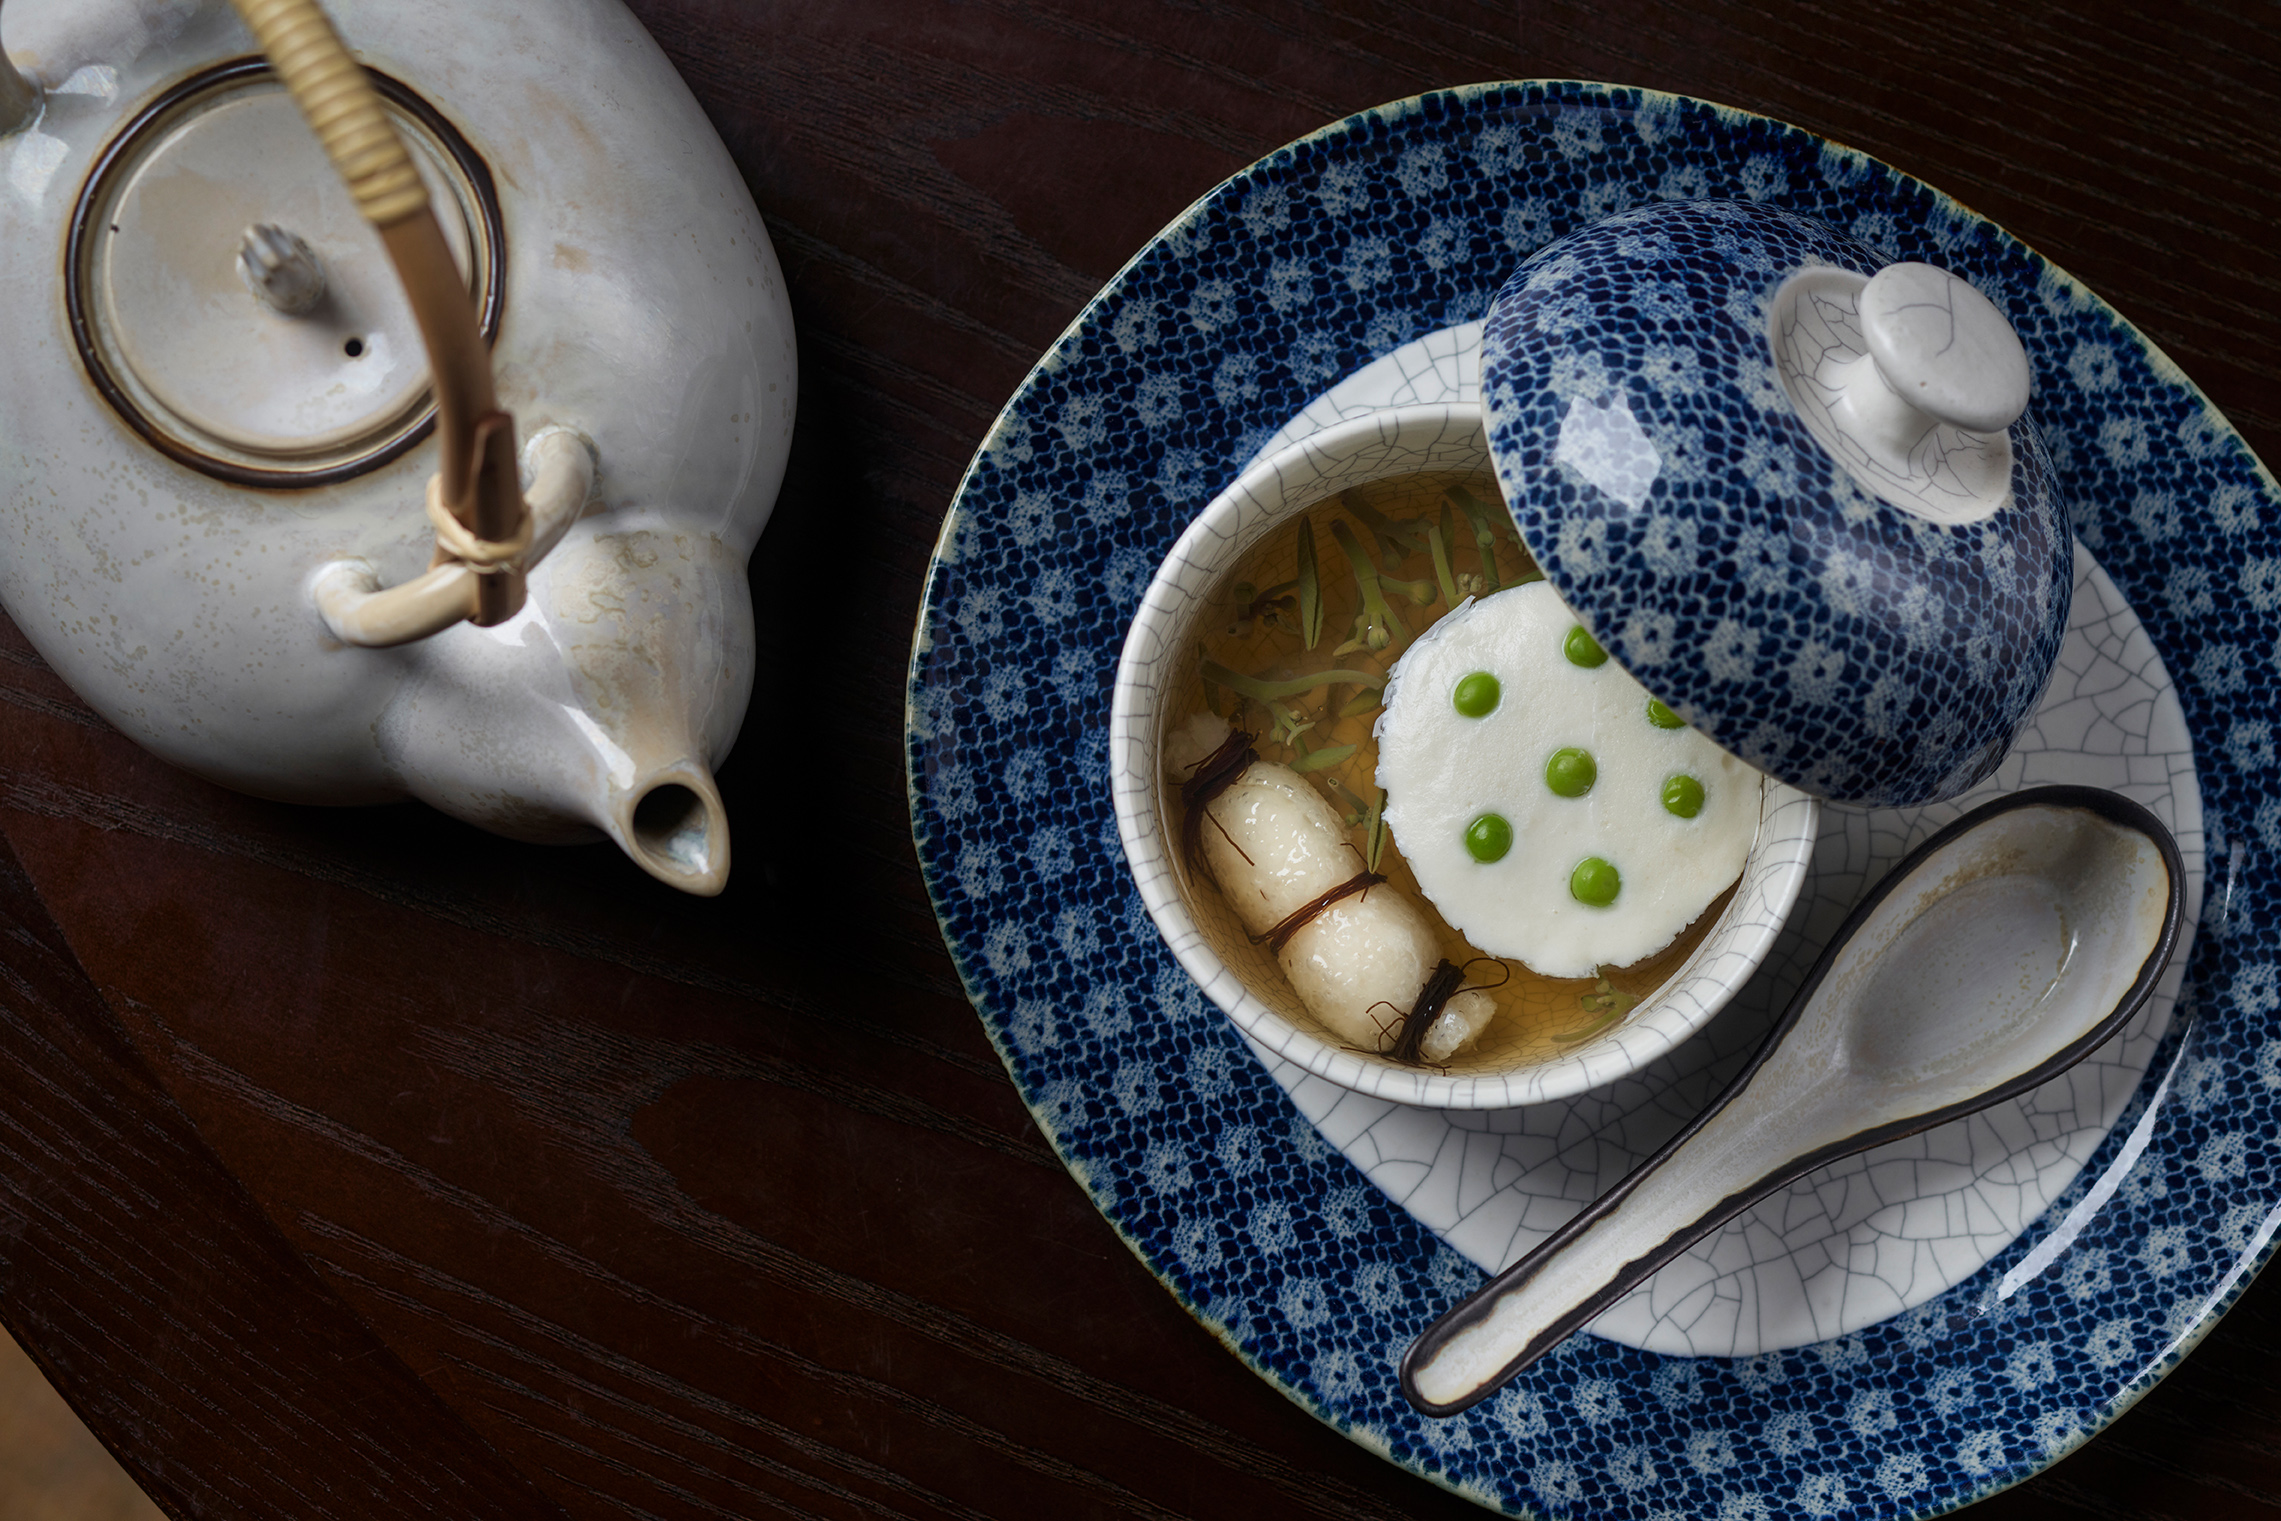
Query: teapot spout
{"x": 601, "y": 709}
{"x": 674, "y": 828}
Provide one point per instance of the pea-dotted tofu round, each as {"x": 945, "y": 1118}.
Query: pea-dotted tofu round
{"x": 1443, "y": 770}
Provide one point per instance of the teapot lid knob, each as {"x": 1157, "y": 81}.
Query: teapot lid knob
{"x": 1944, "y": 348}
{"x": 281, "y": 269}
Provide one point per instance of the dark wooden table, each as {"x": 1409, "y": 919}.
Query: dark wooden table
{"x": 358, "y": 1164}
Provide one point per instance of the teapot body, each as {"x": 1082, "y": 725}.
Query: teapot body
{"x": 639, "y": 304}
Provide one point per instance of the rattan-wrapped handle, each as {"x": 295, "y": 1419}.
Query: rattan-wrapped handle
{"x": 330, "y": 88}
{"x": 477, "y": 480}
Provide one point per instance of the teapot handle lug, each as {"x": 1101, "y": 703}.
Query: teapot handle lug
{"x": 356, "y": 609}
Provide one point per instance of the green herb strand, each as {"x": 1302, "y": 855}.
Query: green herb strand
{"x": 1363, "y": 702}
{"x": 1615, "y": 1003}
{"x": 1396, "y": 541}
{"x": 1496, "y": 522}
{"x": 1437, "y": 540}
{"x": 1377, "y": 625}
{"x": 1421, "y": 592}
{"x": 1316, "y": 760}
{"x": 1310, "y": 587}
{"x": 1275, "y": 691}
{"x": 1484, "y": 537}
{"x": 1286, "y": 728}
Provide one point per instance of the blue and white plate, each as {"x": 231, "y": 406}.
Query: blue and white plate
{"x": 1897, "y": 1339}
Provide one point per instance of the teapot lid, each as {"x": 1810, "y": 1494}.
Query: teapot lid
{"x": 1787, "y": 485}
{"x": 231, "y": 304}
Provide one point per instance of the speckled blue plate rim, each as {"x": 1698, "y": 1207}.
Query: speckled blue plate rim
{"x": 1329, "y": 253}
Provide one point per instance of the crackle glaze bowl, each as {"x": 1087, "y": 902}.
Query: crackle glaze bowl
{"x": 1788, "y": 484}
{"x": 1514, "y": 1062}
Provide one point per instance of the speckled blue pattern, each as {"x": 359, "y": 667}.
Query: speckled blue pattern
{"x": 1743, "y": 576}
{"x": 1323, "y": 256}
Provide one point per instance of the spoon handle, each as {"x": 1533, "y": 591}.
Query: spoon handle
{"x": 1919, "y": 1009}
{"x": 1617, "y": 1243}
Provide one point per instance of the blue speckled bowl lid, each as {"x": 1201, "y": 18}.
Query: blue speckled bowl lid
{"x": 1672, "y": 492}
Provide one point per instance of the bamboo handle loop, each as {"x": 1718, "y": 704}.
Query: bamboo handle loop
{"x": 475, "y": 491}
{"x": 331, "y": 90}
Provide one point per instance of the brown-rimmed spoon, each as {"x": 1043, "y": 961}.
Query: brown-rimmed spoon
{"x": 2000, "y": 952}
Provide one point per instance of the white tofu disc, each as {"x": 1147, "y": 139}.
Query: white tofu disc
{"x": 1442, "y": 770}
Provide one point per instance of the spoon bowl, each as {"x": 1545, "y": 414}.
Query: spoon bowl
{"x": 1999, "y": 953}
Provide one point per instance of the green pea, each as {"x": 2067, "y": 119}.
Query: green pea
{"x": 1594, "y": 882}
{"x": 1477, "y": 695}
{"x": 1571, "y": 772}
{"x": 1683, "y": 795}
{"x": 1662, "y": 717}
{"x": 1582, "y": 649}
{"x": 1488, "y": 837}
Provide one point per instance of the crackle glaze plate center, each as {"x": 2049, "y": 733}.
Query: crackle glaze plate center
{"x": 2147, "y": 1197}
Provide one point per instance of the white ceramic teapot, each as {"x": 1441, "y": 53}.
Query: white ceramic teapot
{"x": 260, "y": 501}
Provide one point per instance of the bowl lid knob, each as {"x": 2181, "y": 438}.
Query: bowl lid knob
{"x": 1910, "y": 378}
{"x": 1790, "y": 486}
{"x": 1943, "y": 348}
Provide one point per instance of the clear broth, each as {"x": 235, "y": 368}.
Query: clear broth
{"x": 1251, "y": 625}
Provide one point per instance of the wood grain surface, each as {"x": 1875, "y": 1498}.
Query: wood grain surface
{"x": 355, "y": 1164}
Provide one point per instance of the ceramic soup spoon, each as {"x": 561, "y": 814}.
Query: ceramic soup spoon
{"x": 2000, "y": 952}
